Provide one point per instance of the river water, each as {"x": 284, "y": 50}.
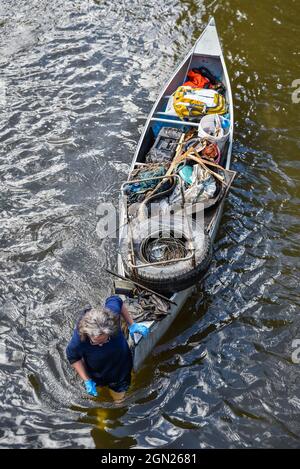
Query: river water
{"x": 77, "y": 80}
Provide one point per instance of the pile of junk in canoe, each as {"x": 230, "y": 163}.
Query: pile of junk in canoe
{"x": 180, "y": 170}
{"x": 173, "y": 199}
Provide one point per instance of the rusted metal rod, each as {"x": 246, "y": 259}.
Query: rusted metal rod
{"x": 141, "y": 286}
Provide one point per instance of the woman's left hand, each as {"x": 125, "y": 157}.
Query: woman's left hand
{"x": 138, "y": 328}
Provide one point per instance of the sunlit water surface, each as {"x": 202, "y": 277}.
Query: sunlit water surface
{"x": 77, "y": 81}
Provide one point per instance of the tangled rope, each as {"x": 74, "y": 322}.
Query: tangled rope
{"x": 163, "y": 249}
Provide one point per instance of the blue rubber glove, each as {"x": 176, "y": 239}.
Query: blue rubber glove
{"x": 139, "y": 328}
{"x": 90, "y": 387}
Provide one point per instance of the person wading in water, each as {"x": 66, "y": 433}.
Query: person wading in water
{"x": 99, "y": 351}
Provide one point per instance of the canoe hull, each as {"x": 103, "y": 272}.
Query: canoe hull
{"x": 207, "y": 52}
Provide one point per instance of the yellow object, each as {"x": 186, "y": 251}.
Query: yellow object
{"x": 101, "y": 416}
{"x": 118, "y": 397}
{"x": 196, "y": 102}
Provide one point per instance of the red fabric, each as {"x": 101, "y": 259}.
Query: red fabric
{"x": 196, "y": 80}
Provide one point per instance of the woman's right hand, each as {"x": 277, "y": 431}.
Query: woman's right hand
{"x": 90, "y": 387}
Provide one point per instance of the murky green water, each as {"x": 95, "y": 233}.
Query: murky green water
{"x": 77, "y": 81}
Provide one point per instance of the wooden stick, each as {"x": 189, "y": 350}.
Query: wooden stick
{"x": 193, "y": 150}
{"x": 202, "y": 163}
{"x": 141, "y": 286}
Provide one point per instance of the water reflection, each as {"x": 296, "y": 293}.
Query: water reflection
{"x": 79, "y": 79}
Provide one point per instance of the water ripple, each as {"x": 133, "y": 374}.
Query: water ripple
{"x": 79, "y": 80}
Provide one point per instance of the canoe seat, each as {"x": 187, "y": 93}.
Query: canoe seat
{"x": 174, "y": 122}
{"x": 165, "y": 113}
{"x": 169, "y": 111}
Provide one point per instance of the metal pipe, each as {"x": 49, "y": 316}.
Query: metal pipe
{"x": 142, "y": 286}
{"x": 170, "y": 121}
{"x": 170, "y": 261}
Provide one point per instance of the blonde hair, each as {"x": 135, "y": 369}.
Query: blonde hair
{"x": 98, "y": 321}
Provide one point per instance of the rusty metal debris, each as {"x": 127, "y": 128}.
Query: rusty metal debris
{"x": 146, "y": 306}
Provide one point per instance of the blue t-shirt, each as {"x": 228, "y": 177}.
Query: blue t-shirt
{"x": 110, "y": 363}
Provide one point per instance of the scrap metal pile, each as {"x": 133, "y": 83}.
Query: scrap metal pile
{"x": 180, "y": 165}
{"x": 145, "y": 306}
{"x": 165, "y": 246}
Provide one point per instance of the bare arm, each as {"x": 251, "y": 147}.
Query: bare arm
{"x": 126, "y": 315}
{"x": 80, "y": 368}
